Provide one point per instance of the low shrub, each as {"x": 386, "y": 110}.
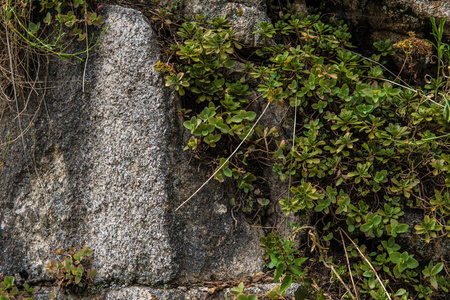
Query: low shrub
{"x": 366, "y": 146}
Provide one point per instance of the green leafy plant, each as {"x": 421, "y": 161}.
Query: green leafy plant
{"x": 403, "y": 261}
{"x": 423, "y": 291}
{"x": 437, "y": 84}
{"x": 240, "y": 293}
{"x": 304, "y": 196}
{"x": 429, "y": 228}
{"x": 431, "y": 271}
{"x": 206, "y": 53}
{"x": 365, "y": 146}
{"x": 49, "y": 34}
{"x": 284, "y": 258}
{"x": 71, "y": 273}
{"x": 373, "y": 226}
{"x": 395, "y": 228}
{"x": 9, "y": 291}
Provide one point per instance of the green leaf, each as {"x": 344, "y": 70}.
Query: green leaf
{"x": 77, "y": 279}
{"x": 365, "y": 227}
{"x": 80, "y": 270}
{"x": 402, "y": 228}
{"x": 328, "y": 236}
{"x": 395, "y": 257}
{"x": 212, "y": 139}
{"x": 9, "y": 281}
{"x": 192, "y": 124}
{"x": 28, "y": 289}
{"x": 377, "y": 220}
{"x": 281, "y": 267}
{"x": 229, "y": 63}
{"x": 48, "y": 19}
{"x": 219, "y": 124}
{"x": 344, "y": 92}
{"x": 300, "y": 261}
{"x": 219, "y": 82}
{"x": 412, "y": 263}
{"x": 436, "y": 269}
{"x": 238, "y": 290}
{"x": 446, "y": 112}
{"x": 226, "y": 171}
{"x": 401, "y": 267}
{"x": 78, "y": 256}
{"x": 250, "y": 115}
{"x": 33, "y": 28}
{"x": 234, "y": 119}
{"x": 434, "y": 283}
{"x": 286, "y": 283}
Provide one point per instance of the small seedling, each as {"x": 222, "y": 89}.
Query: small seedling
{"x": 70, "y": 272}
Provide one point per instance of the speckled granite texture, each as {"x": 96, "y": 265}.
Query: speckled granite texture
{"x": 105, "y": 169}
{"x": 181, "y": 293}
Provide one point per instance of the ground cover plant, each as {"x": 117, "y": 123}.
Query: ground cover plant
{"x": 9, "y": 291}
{"x": 70, "y": 272}
{"x": 364, "y": 149}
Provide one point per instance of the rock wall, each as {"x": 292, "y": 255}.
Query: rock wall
{"x": 383, "y": 19}
{"x": 375, "y": 21}
{"x": 103, "y": 167}
{"x": 101, "y": 164}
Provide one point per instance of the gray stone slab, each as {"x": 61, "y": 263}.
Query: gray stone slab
{"x": 105, "y": 169}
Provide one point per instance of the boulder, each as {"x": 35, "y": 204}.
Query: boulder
{"x": 103, "y": 167}
{"x": 245, "y": 15}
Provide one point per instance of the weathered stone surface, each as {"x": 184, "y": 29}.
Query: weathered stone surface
{"x": 180, "y": 293}
{"x": 245, "y": 15}
{"x": 133, "y": 293}
{"x": 396, "y": 20}
{"x": 105, "y": 170}
{"x": 212, "y": 245}
{"x": 387, "y": 18}
{"x": 415, "y": 244}
{"x": 391, "y": 15}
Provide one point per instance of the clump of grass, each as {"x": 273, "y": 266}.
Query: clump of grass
{"x": 31, "y": 31}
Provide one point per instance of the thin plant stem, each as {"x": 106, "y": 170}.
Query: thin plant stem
{"x": 227, "y": 160}
{"x": 348, "y": 265}
{"x": 368, "y": 263}
{"x": 8, "y": 45}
